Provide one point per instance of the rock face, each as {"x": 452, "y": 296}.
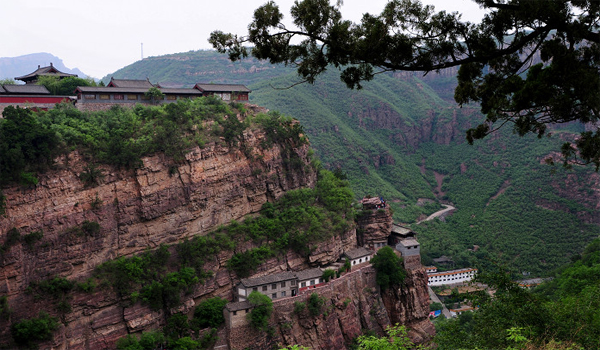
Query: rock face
{"x": 136, "y": 210}
{"x": 352, "y": 303}
{"x": 162, "y": 204}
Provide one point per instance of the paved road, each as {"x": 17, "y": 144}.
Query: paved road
{"x": 438, "y": 213}
{"x": 435, "y": 299}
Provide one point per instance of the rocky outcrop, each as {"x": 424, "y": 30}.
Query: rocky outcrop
{"x": 352, "y": 304}
{"x": 373, "y": 226}
{"x": 136, "y": 210}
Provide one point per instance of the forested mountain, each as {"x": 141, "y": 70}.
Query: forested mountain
{"x": 401, "y": 137}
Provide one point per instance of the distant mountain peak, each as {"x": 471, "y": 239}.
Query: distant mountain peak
{"x": 11, "y": 67}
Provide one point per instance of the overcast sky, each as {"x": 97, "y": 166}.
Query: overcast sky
{"x": 102, "y": 36}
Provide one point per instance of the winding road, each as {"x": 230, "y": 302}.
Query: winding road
{"x": 438, "y": 213}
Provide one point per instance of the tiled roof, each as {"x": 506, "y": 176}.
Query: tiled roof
{"x": 221, "y": 88}
{"x": 29, "y": 89}
{"x": 274, "y": 278}
{"x": 309, "y": 274}
{"x": 107, "y": 89}
{"x": 409, "y": 242}
{"x": 2, "y": 89}
{"x": 400, "y": 230}
{"x": 130, "y": 83}
{"x": 240, "y": 305}
{"x": 358, "y": 253}
{"x": 49, "y": 70}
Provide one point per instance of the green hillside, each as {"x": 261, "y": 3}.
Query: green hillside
{"x": 398, "y": 136}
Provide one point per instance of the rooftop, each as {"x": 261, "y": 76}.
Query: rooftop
{"x": 401, "y": 230}
{"x": 240, "y": 305}
{"x": 268, "y": 279}
{"x": 357, "y": 253}
{"x": 130, "y": 83}
{"x": 221, "y": 87}
{"x": 27, "y": 89}
{"x": 309, "y": 274}
{"x": 409, "y": 242}
{"x": 49, "y": 70}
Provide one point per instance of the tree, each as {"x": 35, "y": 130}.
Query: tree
{"x": 63, "y": 86}
{"x": 154, "y": 94}
{"x": 396, "y": 339}
{"x": 389, "y": 268}
{"x": 529, "y": 63}
{"x": 210, "y": 313}
{"x": 261, "y": 312}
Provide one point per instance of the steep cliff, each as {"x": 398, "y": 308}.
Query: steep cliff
{"x": 136, "y": 210}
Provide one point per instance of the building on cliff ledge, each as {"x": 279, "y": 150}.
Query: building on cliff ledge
{"x": 358, "y": 256}
{"x": 235, "y": 313}
{"x": 278, "y": 285}
{"x": 450, "y": 277}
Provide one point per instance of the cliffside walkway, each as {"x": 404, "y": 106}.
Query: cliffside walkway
{"x": 435, "y": 299}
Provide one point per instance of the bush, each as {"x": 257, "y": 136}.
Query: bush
{"x": 209, "y": 313}
{"x": 388, "y": 265}
{"x": 30, "y": 331}
{"x": 31, "y": 238}
{"x": 328, "y": 274}
{"x": 299, "y": 307}
{"x": 261, "y": 312}
{"x": 315, "y": 304}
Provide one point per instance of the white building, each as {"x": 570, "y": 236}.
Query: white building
{"x": 451, "y": 277}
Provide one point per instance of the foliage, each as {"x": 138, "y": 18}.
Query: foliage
{"x": 91, "y": 175}
{"x": 154, "y": 94}
{"x": 31, "y": 238}
{"x": 328, "y": 274}
{"x": 315, "y": 304}
{"x": 147, "y": 341}
{"x": 261, "y": 311}
{"x": 396, "y": 339}
{"x": 435, "y": 306}
{"x": 299, "y": 306}
{"x": 27, "y": 332}
{"x": 5, "y": 310}
{"x": 297, "y": 221}
{"x": 63, "y": 86}
{"x": 2, "y": 203}
{"x": 25, "y": 145}
{"x": 547, "y": 315}
{"x": 407, "y": 36}
{"x": 209, "y": 313}
{"x": 388, "y": 265}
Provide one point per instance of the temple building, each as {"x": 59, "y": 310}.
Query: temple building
{"x": 50, "y": 70}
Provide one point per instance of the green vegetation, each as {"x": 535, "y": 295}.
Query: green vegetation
{"x": 328, "y": 274}
{"x": 5, "y": 310}
{"x": 209, "y": 313}
{"x": 154, "y": 94}
{"x": 298, "y": 221}
{"x": 563, "y": 310}
{"x": 65, "y": 86}
{"x": 28, "y": 332}
{"x": 388, "y": 265}
{"x": 396, "y": 339}
{"x": 315, "y": 304}
{"x": 261, "y": 311}
{"x": 31, "y": 238}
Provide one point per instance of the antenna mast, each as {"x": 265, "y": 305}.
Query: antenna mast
{"x": 142, "y": 44}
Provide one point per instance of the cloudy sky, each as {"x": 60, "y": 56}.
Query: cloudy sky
{"x": 102, "y": 36}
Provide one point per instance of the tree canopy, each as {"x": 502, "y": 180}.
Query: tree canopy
{"x": 529, "y": 63}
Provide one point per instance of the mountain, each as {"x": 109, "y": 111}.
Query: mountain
{"x": 11, "y": 67}
{"x": 402, "y": 137}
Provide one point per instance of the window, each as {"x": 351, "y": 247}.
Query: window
{"x": 312, "y": 282}
{"x": 359, "y": 261}
{"x": 104, "y": 96}
{"x": 234, "y": 313}
{"x": 274, "y": 286}
{"x": 132, "y": 97}
{"x": 171, "y": 97}
{"x": 293, "y": 283}
{"x": 255, "y": 289}
{"x": 283, "y": 284}
{"x": 321, "y": 280}
{"x": 264, "y": 288}
{"x": 274, "y": 296}
{"x": 119, "y": 97}
{"x": 303, "y": 284}
{"x": 283, "y": 294}
{"x": 89, "y": 97}
{"x": 246, "y": 310}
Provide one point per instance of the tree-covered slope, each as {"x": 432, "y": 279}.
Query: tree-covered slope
{"x": 400, "y": 137}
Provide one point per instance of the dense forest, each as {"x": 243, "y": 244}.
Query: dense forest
{"x": 402, "y": 137}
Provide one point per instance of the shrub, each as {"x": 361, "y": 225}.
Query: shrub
{"x": 31, "y": 238}
{"x": 4, "y": 308}
{"x": 30, "y": 331}
{"x": 328, "y": 274}
{"x": 315, "y": 304}
{"x": 299, "y": 307}
{"x": 90, "y": 228}
{"x": 388, "y": 265}
{"x": 209, "y": 313}
{"x": 261, "y": 312}
{"x": 91, "y": 175}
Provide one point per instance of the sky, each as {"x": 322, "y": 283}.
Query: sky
{"x": 102, "y": 36}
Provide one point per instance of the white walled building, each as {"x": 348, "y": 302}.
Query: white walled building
{"x": 450, "y": 277}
